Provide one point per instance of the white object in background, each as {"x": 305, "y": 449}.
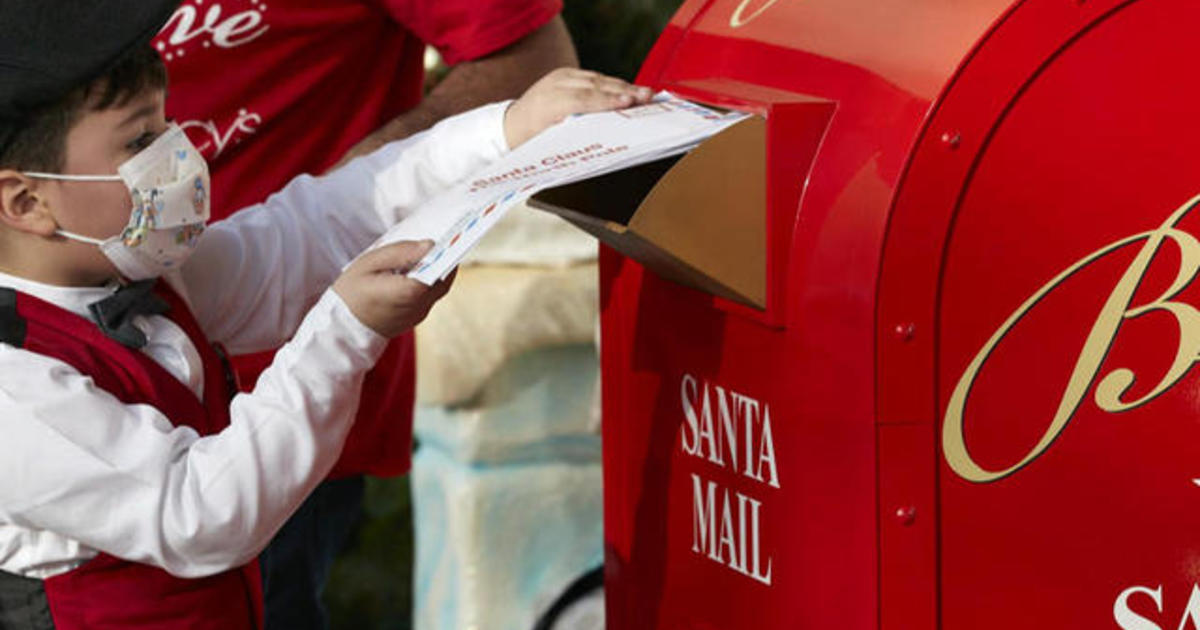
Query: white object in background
{"x": 536, "y": 407}
{"x": 496, "y": 544}
{"x": 494, "y": 314}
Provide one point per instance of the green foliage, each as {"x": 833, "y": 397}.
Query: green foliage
{"x": 371, "y": 582}
{"x": 613, "y": 36}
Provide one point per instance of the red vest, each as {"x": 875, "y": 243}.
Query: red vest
{"x": 106, "y": 592}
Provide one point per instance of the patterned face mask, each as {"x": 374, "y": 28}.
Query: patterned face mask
{"x": 169, "y": 184}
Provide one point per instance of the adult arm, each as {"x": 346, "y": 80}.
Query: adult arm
{"x": 504, "y": 74}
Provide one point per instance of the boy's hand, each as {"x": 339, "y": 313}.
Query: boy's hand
{"x": 381, "y": 296}
{"x": 564, "y": 92}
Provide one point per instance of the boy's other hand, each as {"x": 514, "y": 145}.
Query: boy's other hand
{"x": 564, "y": 92}
{"x": 381, "y": 296}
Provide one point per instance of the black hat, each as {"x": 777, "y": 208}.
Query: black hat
{"x": 50, "y": 47}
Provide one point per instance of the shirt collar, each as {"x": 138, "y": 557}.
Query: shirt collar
{"x": 74, "y": 299}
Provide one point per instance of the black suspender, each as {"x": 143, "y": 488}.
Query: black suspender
{"x": 12, "y": 325}
{"x": 23, "y": 604}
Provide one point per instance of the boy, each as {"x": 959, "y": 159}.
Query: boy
{"x": 134, "y": 494}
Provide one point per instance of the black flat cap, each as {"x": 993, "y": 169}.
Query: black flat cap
{"x": 50, "y": 47}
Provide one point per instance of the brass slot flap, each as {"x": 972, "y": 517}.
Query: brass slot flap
{"x": 699, "y": 219}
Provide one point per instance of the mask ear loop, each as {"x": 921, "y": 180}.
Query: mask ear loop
{"x": 79, "y": 237}
{"x": 76, "y": 178}
{"x": 73, "y": 178}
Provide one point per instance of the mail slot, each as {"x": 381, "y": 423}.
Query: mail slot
{"x": 929, "y": 365}
{"x": 703, "y": 220}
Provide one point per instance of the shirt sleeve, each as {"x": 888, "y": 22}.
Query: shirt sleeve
{"x": 463, "y": 30}
{"x": 122, "y": 479}
{"x": 255, "y": 274}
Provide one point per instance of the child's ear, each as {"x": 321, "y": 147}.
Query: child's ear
{"x": 22, "y": 207}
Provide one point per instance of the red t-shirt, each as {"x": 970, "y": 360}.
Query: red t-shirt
{"x": 270, "y": 89}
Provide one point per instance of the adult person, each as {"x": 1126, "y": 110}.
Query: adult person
{"x": 268, "y": 89}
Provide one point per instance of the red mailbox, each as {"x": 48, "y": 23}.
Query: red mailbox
{"x": 962, "y": 397}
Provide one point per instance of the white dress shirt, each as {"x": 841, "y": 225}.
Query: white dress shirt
{"x": 81, "y": 472}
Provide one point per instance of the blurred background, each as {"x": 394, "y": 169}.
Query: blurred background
{"x": 372, "y": 582}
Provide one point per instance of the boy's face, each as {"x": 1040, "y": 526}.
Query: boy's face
{"x": 98, "y": 143}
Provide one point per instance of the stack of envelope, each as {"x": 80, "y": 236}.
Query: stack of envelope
{"x": 579, "y": 148}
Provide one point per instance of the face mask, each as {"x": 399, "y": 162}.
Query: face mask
{"x": 168, "y": 182}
